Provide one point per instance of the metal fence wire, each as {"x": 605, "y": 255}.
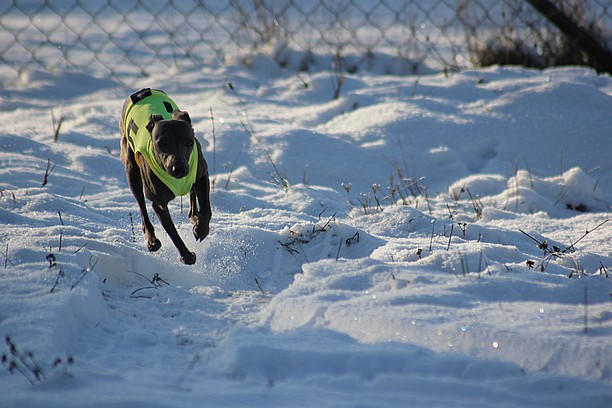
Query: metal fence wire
{"x": 124, "y": 38}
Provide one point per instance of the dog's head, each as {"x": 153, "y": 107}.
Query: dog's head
{"x": 173, "y": 141}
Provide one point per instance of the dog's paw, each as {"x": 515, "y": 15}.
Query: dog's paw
{"x": 153, "y": 244}
{"x": 189, "y": 258}
{"x": 200, "y": 231}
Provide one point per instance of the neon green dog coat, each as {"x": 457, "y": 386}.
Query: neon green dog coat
{"x": 145, "y": 103}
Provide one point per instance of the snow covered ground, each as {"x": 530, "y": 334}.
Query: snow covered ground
{"x": 444, "y": 241}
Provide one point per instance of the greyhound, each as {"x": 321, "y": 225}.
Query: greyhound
{"x": 163, "y": 160}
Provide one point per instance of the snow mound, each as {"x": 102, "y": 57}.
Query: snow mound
{"x": 439, "y": 239}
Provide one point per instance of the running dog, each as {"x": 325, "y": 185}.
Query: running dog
{"x": 164, "y": 160}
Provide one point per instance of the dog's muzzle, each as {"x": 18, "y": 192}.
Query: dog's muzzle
{"x": 178, "y": 171}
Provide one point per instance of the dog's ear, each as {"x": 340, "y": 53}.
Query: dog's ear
{"x": 181, "y": 115}
{"x": 153, "y": 119}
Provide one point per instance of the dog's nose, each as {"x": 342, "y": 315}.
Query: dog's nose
{"x": 178, "y": 171}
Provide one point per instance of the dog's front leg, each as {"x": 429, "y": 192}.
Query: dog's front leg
{"x": 200, "y": 218}
{"x": 163, "y": 214}
{"x": 135, "y": 183}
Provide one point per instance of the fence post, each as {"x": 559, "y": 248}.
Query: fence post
{"x": 601, "y": 56}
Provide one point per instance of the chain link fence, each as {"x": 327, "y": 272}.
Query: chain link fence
{"x": 124, "y": 38}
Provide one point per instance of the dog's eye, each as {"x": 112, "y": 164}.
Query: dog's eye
{"x": 189, "y": 143}
{"x": 162, "y": 143}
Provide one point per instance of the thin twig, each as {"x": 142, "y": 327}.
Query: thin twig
{"x": 48, "y": 171}
{"x": 229, "y": 175}
{"x": 56, "y": 128}
{"x": 60, "y": 274}
{"x": 542, "y": 245}
{"x": 259, "y": 286}
{"x": 337, "y": 76}
{"x": 476, "y": 204}
{"x": 322, "y": 212}
{"x": 516, "y": 185}
{"x": 323, "y": 228}
{"x": 603, "y": 270}
{"x": 450, "y": 213}
{"x": 155, "y": 282}
{"x": 214, "y": 177}
{"x": 433, "y": 224}
{"x": 132, "y": 224}
{"x": 6, "y": 257}
{"x": 143, "y": 296}
{"x": 83, "y": 274}
{"x": 338, "y": 253}
{"x": 585, "y": 234}
{"x": 80, "y": 248}
{"x": 24, "y": 363}
{"x": 528, "y": 172}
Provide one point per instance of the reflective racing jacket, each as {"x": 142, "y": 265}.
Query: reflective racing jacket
{"x": 140, "y": 107}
